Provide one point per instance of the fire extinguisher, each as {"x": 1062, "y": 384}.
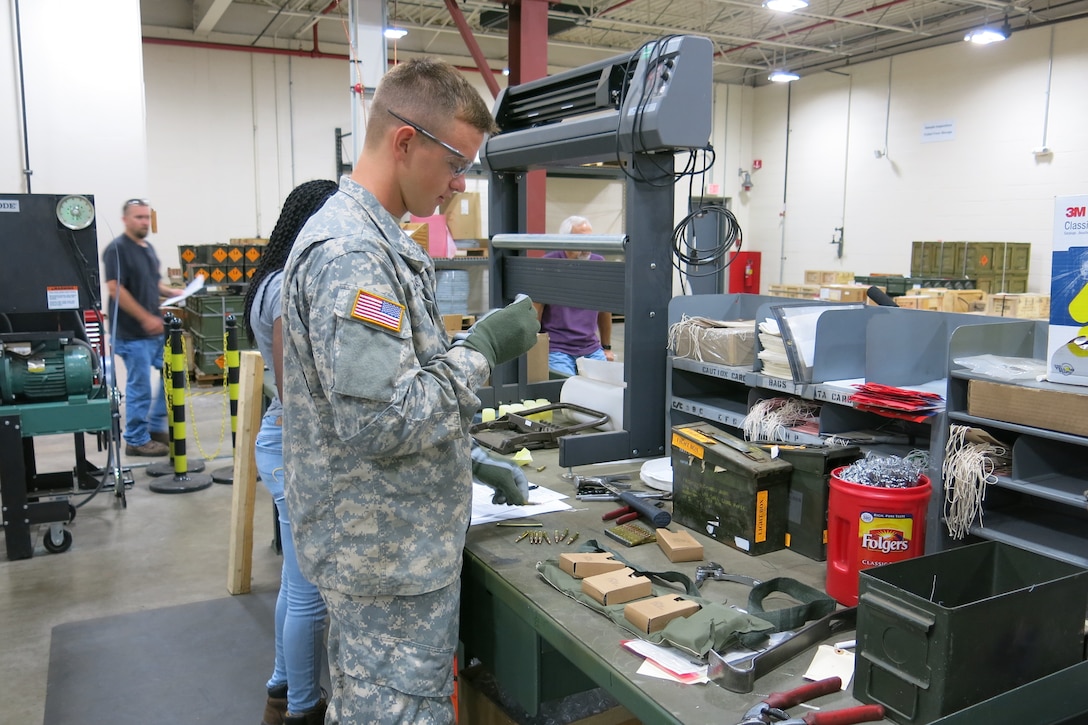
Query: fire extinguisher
{"x": 749, "y": 273}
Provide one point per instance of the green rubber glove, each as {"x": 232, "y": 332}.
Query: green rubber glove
{"x": 505, "y": 334}
{"x": 511, "y": 486}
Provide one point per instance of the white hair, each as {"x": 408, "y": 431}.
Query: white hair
{"x": 573, "y": 221}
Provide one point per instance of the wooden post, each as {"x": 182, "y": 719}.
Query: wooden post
{"x": 250, "y": 407}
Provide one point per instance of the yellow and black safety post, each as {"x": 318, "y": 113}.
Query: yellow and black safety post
{"x": 169, "y": 365}
{"x": 182, "y": 481}
{"x": 226, "y": 474}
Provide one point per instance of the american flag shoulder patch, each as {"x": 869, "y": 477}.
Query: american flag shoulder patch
{"x": 369, "y": 307}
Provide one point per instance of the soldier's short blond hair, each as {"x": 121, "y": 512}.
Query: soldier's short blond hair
{"x": 429, "y": 92}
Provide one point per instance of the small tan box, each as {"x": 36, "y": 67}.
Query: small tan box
{"x": 1063, "y": 410}
{"x": 679, "y": 545}
{"x": 824, "y": 276}
{"x": 617, "y": 587}
{"x": 585, "y": 564}
{"x": 843, "y": 293}
{"x": 962, "y": 300}
{"x": 651, "y": 615}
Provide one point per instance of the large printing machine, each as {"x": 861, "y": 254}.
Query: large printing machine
{"x": 52, "y": 377}
{"x": 633, "y": 112}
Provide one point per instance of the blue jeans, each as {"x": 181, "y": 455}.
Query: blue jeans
{"x": 300, "y": 611}
{"x": 563, "y": 362}
{"x": 139, "y": 357}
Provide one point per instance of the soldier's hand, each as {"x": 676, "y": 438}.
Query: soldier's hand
{"x": 508, "y": 480}
{"x": 505, "y": 334}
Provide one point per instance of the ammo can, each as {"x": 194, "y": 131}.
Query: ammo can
{"x": 729, "y": 489}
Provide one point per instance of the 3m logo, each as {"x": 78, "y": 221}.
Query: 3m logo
{"x": 1072, "y": 212}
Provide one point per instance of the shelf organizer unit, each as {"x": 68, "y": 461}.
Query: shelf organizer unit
{"x": 892, "y": 346}
{"x": 1042, "y": 505}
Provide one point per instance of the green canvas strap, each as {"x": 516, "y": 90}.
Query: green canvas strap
{"x": 673, "y": 577}
{"x": 814, "y": 603}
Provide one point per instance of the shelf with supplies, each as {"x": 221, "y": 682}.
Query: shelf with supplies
{"x": 1042, "y": 502}
{"x": 847, "y": 345}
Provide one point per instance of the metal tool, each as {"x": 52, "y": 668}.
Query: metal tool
{"x": 660, "y": 495}
{"x": 659, "y": 517}
{"x": 741, "y": 677}
{"x": 515, "y": 431}
{"x": 772, "y": 710}
{"x": 715, "y": 571}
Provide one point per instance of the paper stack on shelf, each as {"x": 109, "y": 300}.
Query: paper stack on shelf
{"x": 773, "y": 354}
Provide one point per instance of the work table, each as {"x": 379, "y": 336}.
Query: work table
{"x": 528, "y": 634}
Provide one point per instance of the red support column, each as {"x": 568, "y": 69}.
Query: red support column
{"x": 528, "y": 46}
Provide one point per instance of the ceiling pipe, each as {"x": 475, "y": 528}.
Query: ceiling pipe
{"x": 272, "y": 51}
{"x": 470, "y": 42}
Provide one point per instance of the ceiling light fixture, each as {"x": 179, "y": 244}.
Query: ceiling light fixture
{"x": 785, "y": 6}
{"x": 989, "y": 34}
{"x": 782, "y": 76}
{"x": 394, "y": 33}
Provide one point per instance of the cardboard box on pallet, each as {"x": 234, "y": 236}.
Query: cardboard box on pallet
{"x": 728, "y": 488}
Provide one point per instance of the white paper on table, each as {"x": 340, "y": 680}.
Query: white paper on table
{"x": 650, "y": 669}
{"x": 192, "y": 288}
{"x": 830, "y": 661}
{"x": 666, "y": 658}
{"x": 541, "y": 501}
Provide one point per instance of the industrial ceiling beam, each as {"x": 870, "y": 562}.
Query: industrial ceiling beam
{"x": 206, "y": 14}
{"x": 474, "y": 48}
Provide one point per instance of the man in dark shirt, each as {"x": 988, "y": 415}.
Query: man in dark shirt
{"x": 132, "y": 276}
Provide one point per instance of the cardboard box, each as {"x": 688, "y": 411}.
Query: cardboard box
{"x": 247, "y": 241}
{"x": 457, "y": 323}
{"x": 584, "y": 564}
{"x": 725, "y": 342}
{"x": 919, "y": 302}
{"x": 462, "y": 214}
{"x": 843, "y": 293}
{"x": 651, "y": 615}
{"x": 962, "y": 300}
{"x": 537, "y": 359}
{"x": 418, "y": 232}
{"x": 826, "y": 277}
{"x": 1025, "y": 306}
{"x": 679, "y": 545}
{"x": 1031, "y": 404}
{"x": 439, "y": 242}
{"x": 1067, "y": 341}
{"x": 617, "y": 587}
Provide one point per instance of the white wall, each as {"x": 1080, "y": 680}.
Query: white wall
{"x": 983, "y": 185}
{"x": 231, "y": 133}
{"x": 84, "y": 97}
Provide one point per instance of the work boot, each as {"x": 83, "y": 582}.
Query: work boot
{"x": 150, "y": 449}
{"x": 161, "y": 436}
{"x": 275, "y": 708}
{"x": 313, "y": 716}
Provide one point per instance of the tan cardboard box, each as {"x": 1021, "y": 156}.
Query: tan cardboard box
{"x": 537, "y": 360}
{"x": 725, "y": 342}
{"x": 823, "y": 276}
{"x": 462, "y": 214}
{"x": 843, "y": 293}
{"x": 457, "y": 323}
{"x": 1062, "y": 410}
{"x": 617, "y": 587}
{"x": 651, "y": 615}
{"x": 679, "y": 545}
{"x": 961, "y": 300}
{"x": 919, "y": 302}
{"x": 583, "y": 564}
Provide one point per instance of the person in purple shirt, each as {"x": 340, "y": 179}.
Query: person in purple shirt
{"x": 572, "y": 331}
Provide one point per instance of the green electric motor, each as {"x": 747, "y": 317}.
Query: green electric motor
{"x": 44, "y": 371}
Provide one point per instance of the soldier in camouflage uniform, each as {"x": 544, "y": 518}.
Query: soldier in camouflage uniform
{"x": 377, "y": 405}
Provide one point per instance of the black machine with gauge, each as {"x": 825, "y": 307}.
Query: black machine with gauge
{"x": 53, "y": 378}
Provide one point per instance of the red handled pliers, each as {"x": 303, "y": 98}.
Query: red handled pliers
{"x": 772, "y": 710}
{"x": 622, "y": 515}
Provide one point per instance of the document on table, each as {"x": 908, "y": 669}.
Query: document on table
{"x": 541, "y": 501}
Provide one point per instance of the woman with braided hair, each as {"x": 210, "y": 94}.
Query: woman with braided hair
{"x": 294, "y": 690}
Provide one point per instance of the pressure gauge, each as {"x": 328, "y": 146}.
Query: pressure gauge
{"x": 75, "y": 212}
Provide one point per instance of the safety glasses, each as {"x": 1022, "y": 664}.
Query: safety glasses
{"x": 459, "y": 169}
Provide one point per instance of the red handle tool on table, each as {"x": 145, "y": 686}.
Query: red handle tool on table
{"x": 622, "y": 515}
{"x": 773, "y": 709}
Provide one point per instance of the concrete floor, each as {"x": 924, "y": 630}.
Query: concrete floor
{"x": 161, "y": 550}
